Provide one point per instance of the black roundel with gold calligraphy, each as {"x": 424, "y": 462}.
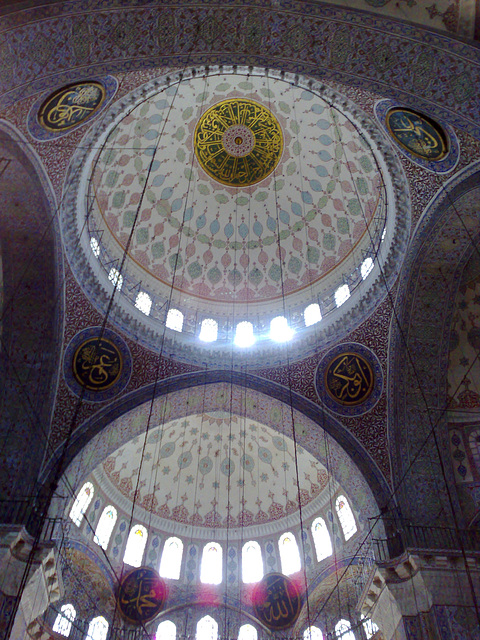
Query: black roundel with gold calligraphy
{"x": 70, "y": 106}
{"x": 97, "y": 364}
{"x": 238, "y": 142}
{"x": 141, "y": 595}
{"x": 276, "y": 601}
{"x": 349, "y": 379}
{"x": 418, "y": 134}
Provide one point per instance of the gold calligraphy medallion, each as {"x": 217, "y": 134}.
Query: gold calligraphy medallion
{"x": 417, "y": 134}
{"x": 97, "y": 364}
{"x": 141, "y": 595}
{"x": 349, "y": 379}
{"x": 70, "y": 106}
{"x": 238, "y": 142}
{"x": 276, "y": 601}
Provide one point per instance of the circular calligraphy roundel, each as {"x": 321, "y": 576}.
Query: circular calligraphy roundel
{"x": 238, "y": 142}
{"x": 70, "y": 106}
{"x": 349, "y": 379}
{"x": 97, "y": 364}
{"x": 141, "y": 595}
{"x": 418, "y": 134}
{"x": 276, "y": 601}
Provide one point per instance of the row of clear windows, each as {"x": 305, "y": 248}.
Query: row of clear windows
{"x": 244, "y": 334}
{"x": 212, "y": 557}
{"x": 207, "y": 628}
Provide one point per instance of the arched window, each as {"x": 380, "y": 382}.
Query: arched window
{"x": 342, "y": 294}
{"x": 289, "y": 554}
{"x": 247, "y": 632}
{"x": 312, "y": 633}
{"x": 369, "y": 627}
{"x": 366, "y": 267}
{"x": 252, "y": 562}
{"x": 207, "y": 629}
{"x": 343, "y": 630}
{"x": 211, "y": 570}
{"x": 174, "y": 319}
{"x": 244, "y": 334}
{"x": 321, "y": 539}
{"x": 63, "y": 621}
{"x": 345, "y": 515}
{"x": 115, "y": 278}
{"x": 144, "y": 303}
{"x": 97, "y": 629}
{"x": 166, "y": 630}
{"x": 474, "y": 442}
{"x": 312, "y": 314}
{"x": 208, "y": 330}
{"x": 171, "y": 559}
{"x": 136, "y": 542}
{"x": 279, "y": 329}
{"x": 95, "y": 247}
{"x": 83, "y": 499}
{"x": 105, "y": 526}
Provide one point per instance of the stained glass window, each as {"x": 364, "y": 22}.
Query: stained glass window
{"x": 63, "y": 621}
{"x": 144, "y": 303}
{"x": 212, "y": 564}
{"x": 83, "y": 499}
{"x": 252, "y": 562}
{"x": 105, "y": 526}
{"x": 136, "y": 542}
{"x": 97, "y": 629}
{"x": 174, "y": 320}
{"x": 343, "y": 630}
{"x": 247, "y": 632}
{"x": 321, "y": 539}
{"x": 171, "y": 559}
{"x": 312, "y": 633}
{"x": 207, "y": 629}
{"x": 289, "y": 554}
{"x": 345, "y": 515}
{"x": 166, "y": 630}
{"x": 115, "y": 278}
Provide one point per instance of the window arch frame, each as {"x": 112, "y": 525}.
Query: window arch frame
{"x": 81, "y": 504}
{"x": 316, "y": 635}
{"x": 286, "y": 563}
{"x": 214, "y": 627}
{"x": 246, "y": 634}
{"x": 208, "y": 575}
{"x": 255, "y": 576}
{"x": 63, "y": 622}
{"x": 108, "y": 526}
{"x": 343, "y": 630}
{"x": 172, "y": 628}
{"x": 92, "y": 627}
{"x": 131, "y": 541}
{"x": 319, "y": 539}
{"x": 164, "y": 568}
{"x": 346, "y": 517}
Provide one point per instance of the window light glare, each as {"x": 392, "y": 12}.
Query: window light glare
{"x": 115, "y": 278}
{"x": 366, "y": 267}
{"x": 252, "y": 563}
{"x": 212, "y": 563}
{"x": 369, "y": 626}
{"x": 95, "y": 247}
{"x": 279, "y": 329}
{"x": 244, "y": 334}
{"x": 171, "y": 559}
{"x": 174, "y": 320}
{"x": 289, "y": 554}
{"x": 144, "y": 303}
{"x": 63, "y": 621}
{"x": 342, "y": 294}
{"x": 312, "y": 314}
{"x": 208, "y": 330}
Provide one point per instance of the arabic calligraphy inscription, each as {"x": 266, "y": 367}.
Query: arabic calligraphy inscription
{"x": 238, "y": 142}
{"x": 349, "y": 379}
{"x": 97, "y": 364}
{"x": 142, "y": 595}
{"x": 418, "y": 134}
{"x": 71, "y": 106}
{"x": 276, "y": 601}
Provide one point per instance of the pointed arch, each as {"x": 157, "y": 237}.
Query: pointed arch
{"x": 83, "y": 499}
{"x": 166, "y": 630}
{"x": 207, "y": 629}
{"x": 63, "y": 621}
{"x": 252, "y": 562}
{"x": 212, "y": 564}
{"x": 137, "y": 539}
{"x": 346, "y": 517}
{"x": 247, "y": 632}
{"x": 321, "y": 539}
{"x": 171, "y": 561}
{"x": 105, "y": 526}
{"x": 97, "y": 629}
{"x": 289, "y": 554}
{"x": 312, "y": 633}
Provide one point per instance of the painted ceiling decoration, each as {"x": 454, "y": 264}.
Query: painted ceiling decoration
{"x": 189, "y": 463}
{"x": 240, "y": 197}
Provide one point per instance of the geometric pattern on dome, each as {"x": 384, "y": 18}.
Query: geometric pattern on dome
{"x": 189, "y": 463}
{"x": 238, "y": 142}
{"x": 220, "y": 244}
